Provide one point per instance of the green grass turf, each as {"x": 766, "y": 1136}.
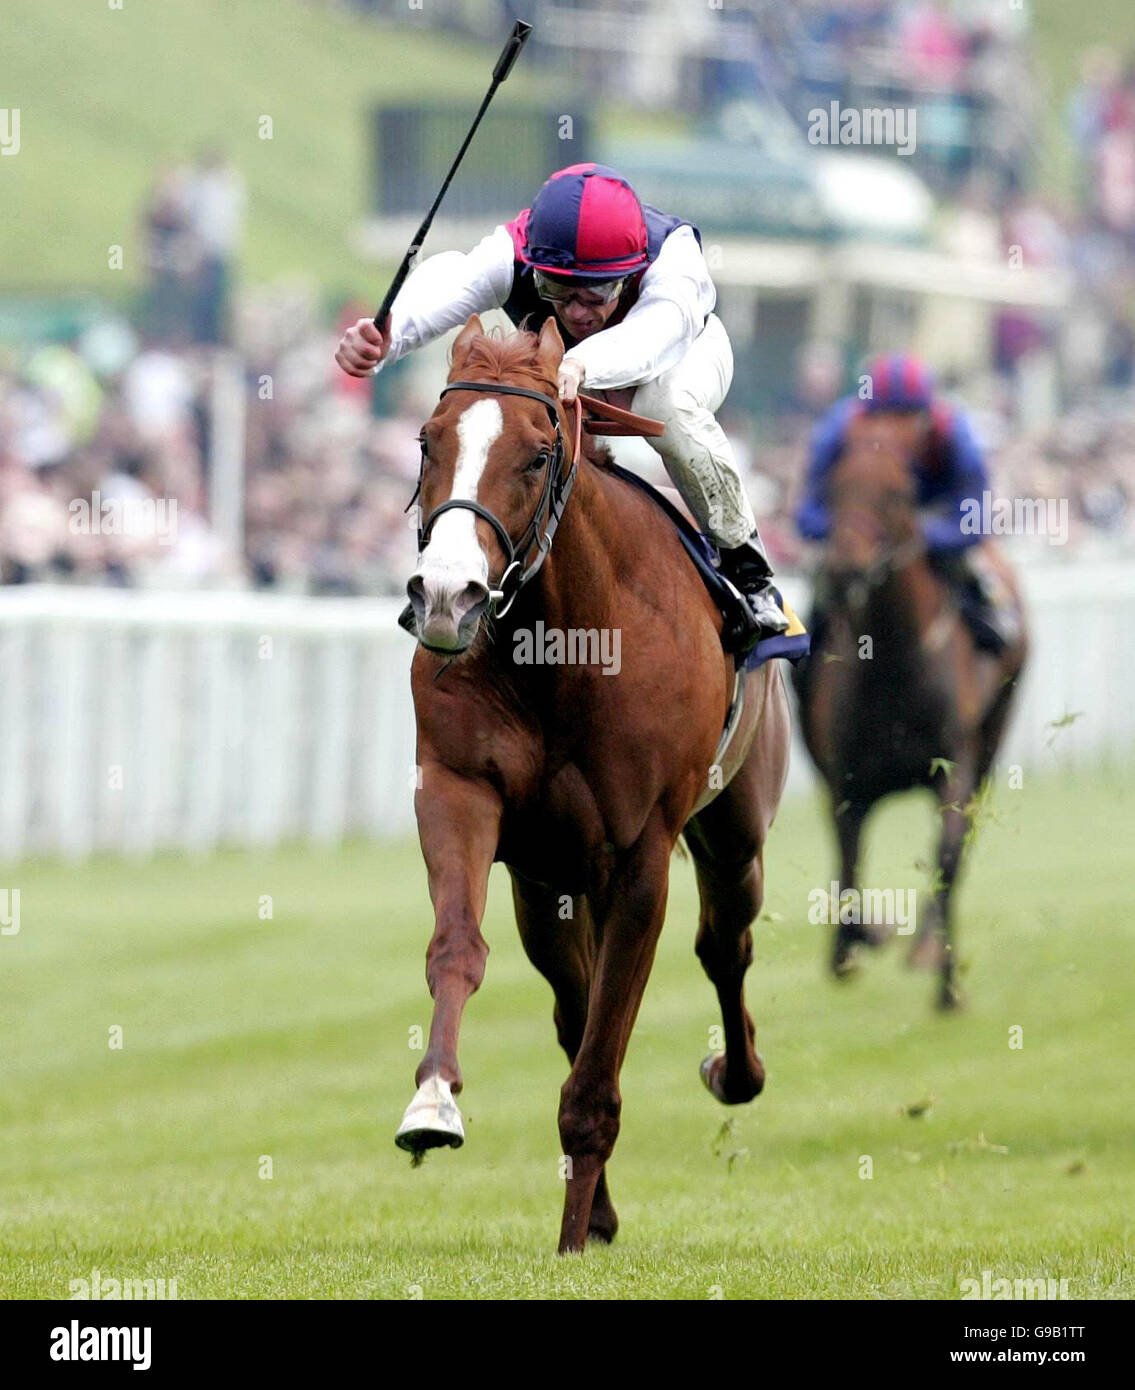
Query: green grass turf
{"x": 290, "y": 1038}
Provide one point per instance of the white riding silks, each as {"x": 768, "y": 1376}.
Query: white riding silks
{"x": 670, "y": 345}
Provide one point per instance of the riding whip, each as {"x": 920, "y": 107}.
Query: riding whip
{"x": 505, "y": 62}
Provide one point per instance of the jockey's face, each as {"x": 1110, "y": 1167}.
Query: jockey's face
{"x": 584, "y": 312}
{"x": 917, "y": 424}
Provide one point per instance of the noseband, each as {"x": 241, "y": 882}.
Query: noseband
{"x": 553, "y": 499}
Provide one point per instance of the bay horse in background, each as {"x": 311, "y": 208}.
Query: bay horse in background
{"x": 920, "y": 705}
{"x": 579, "y": 780}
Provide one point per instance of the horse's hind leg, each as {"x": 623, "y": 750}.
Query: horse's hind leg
{"x": 934, "y": 946}
{"x": 727, "y": 843}
{"x": 731, "y": 896}
{"x": 559, "y": 937}
{"x": 849, "y": 936}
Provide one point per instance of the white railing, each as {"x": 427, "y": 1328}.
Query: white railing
{"x": 132, "y": 722}
{"x": 1075, "y": 705}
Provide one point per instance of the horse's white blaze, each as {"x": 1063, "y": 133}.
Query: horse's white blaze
{"x": 454, "y": 556}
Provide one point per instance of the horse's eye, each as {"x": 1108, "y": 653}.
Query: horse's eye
{"x": 540, "y": 461}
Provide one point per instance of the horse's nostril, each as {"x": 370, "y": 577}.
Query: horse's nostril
{"x": 472, "y": 596}
{"x": 416, "y": 592}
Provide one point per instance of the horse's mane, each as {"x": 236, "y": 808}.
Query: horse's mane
{"x": 502, "y": 356}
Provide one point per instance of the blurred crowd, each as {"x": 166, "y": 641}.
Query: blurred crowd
{"x": 192, "y": 225}
{"x": 964, "y": 66}
{"x": 963, "y": 62}
{"x": 107, "y": 446}
{"x": 102, "y": 439}
{"x": 1085, "y": 457}
{"x": 109, "y": 441}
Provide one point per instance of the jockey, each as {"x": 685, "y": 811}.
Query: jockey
{"x": 634, "y": 301}
{"x": 950, "y": 471}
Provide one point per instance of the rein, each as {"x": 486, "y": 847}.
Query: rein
{"x": 554, "y": 496}
{"x": 893, "y": 560}
{"x": 889, "y": 563}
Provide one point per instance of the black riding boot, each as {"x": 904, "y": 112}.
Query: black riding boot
{"x": 747, "y": 567}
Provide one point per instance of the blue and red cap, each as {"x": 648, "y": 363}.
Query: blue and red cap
{"x": 900, "y": 381}
{"x": 586, "y": 223}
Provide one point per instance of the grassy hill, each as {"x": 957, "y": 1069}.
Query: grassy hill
{"x": 107, "y": 95}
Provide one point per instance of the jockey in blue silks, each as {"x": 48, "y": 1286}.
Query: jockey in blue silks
{"x": 950, "y": 478}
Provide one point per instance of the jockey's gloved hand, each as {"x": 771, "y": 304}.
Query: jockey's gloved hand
{"x": 571, "y": 376}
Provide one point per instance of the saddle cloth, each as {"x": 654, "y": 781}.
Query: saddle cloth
{"x": 792, "y": 644}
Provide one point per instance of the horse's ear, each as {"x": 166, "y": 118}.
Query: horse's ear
{"x": 550, "y": 348}
{"x": 474, "y": 328}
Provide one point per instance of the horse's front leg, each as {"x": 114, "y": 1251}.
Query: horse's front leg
{"x": 629, "y": 911}
{"x": 848, "y": 937}
{"x": 459, "y": 826}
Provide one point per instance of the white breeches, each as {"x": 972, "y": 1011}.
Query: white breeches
{"x": 694, "y": 448}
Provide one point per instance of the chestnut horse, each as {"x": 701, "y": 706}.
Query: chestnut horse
{"x": 579, "y": 776}
{"x": 896, "y": 693}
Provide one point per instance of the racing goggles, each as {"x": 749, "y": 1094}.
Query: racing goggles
{"x": 559, "y": 291}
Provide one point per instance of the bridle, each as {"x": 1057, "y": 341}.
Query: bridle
{"x": 549, "y": 509}
{"x": 892, "y": 559}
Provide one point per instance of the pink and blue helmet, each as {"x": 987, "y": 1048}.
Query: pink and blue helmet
{"x": 900, "y": 381}
{"x": 586, "y": 223}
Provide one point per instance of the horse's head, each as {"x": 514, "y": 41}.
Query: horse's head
{"x": 489, "y": 463}
{"x": 871, "y": 497}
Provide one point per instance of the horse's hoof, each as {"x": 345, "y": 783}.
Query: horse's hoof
{"x": 846, "y": 961}
{"x": 712, "y": 1072}
{"x": 432, "y": 1120}
{"x": 950, "y": 999}
{"x": 927, "y": 953}
{"x": 705, "y": 1071}
{"x": 602, "y": 1231}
